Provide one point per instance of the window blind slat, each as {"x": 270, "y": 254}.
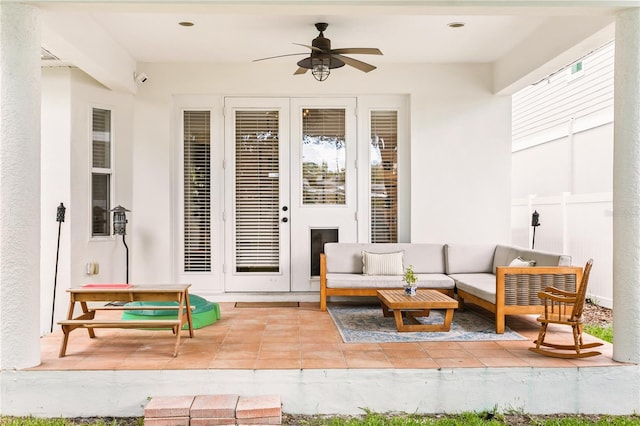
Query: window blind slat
{"x": 101, "y": 136}
{"x": 101, "y": 171}
{"x": 384, "y": 176}
{"x": 197, "y": 191}
{"x": 257, "y": 191}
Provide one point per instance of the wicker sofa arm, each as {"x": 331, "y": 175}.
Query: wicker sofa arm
{"x": 519, "y": 286}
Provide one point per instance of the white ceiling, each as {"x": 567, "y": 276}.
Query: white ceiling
{"x": 241, "y": 38}
{"x": 241, "y": 31}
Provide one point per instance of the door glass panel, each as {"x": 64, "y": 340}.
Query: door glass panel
{"x": 384, "y": 176}
{"x": 257, "y": 195}
{"x": 323, "y": 156}
{"x": 197, "y": 191}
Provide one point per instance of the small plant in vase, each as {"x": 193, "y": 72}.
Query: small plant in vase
{"x": 410, "y": 280}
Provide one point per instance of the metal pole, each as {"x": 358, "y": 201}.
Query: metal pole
{"x": 533, "y": 242}
{"x": 59, "y": 219}
{"x": 127, "y": 251}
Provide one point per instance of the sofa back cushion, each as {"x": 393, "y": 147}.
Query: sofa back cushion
{"x": 469, "y": 258}
{"x": 505, "y": 255}
{"x": 382, "y": 263}
{"x": 346, "y": 258}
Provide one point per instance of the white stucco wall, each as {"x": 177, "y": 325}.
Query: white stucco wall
{"x": 20, "y": 88}
{"x": 459, "y": 132}
{"x": 461, "y": 164}
{"x": 56, "y": 189}
{"x": 67, "y": 99}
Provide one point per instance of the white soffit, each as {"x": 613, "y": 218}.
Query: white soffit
{"x": 240, "y": 31}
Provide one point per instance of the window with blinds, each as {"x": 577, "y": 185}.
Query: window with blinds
{"x": 101, "y": 172}
{"x": 323, "y": 156}
{"x": 257, "y": 190}
{"x": 197, "y": 191}
{"x": 384, "y": 176}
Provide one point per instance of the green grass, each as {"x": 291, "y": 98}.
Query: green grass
{"x": 469, "y": 419}
{"x": 603, "y": 333}
{"x": 375, "y": 419}
{"x": 34, "y": 421}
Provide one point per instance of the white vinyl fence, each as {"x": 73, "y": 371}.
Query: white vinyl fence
{"x": 578, "y": 225}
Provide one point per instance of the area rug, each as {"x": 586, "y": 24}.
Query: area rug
{"x": 366, "y": 324}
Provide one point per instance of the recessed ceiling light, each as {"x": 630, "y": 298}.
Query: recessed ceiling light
{"x": 186, "y": 24}
{"x": 456, "y": 24}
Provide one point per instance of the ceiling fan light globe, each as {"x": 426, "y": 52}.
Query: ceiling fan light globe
{"x": 320, "y": 72}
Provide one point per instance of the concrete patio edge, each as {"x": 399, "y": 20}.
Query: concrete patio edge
{"x": 588, "y": 390}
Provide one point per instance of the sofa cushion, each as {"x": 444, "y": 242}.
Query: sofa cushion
{"x": 505, "y": 254}
{"x": 521, "y": 263}
{"x": 479, "y": 285}
{"x": 382, "y": 263}
{"x": 440, "y": 281}
{"x": 469, "y": 258}
{"x": 347, "y": 257}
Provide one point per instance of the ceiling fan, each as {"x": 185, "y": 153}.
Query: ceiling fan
{"x": 323, "y": 58}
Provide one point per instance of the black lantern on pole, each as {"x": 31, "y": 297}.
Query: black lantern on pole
{"x": 59, "y": 218}
{"x": 120, "y": 228}
{"x": 119, "y": 220}
{"x": 535, "y": 222}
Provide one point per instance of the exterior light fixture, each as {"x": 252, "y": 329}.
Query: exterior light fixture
{"x": 119, "y": 220}
{"x": 320, "y": 64}
{"x": 535, "y": 222}
{"x": 120, "y": 228}
{"x": 321, "y": 71}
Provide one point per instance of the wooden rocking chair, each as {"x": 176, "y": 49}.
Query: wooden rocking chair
{"x": 562, "y": 307}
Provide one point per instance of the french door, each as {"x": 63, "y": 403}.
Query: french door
{"x": 290, "y": 180}
{"x": 257, "y": 197}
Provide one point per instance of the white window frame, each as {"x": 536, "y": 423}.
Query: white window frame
{"x": 101, "y": 170}
{"x": 202, "y": 282}
{"x": 366, "y": 104}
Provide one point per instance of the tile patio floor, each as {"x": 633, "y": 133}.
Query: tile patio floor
{"x": 290, "y": 338}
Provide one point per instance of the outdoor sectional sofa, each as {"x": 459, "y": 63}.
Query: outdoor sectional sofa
{"x": 478, "y": 274}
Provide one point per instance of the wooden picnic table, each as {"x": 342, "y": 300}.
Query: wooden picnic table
{"x": 122, "y": 293}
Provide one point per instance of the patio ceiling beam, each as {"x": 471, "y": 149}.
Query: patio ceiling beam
{"x": 79, "y": 39}
{"x": 551, "y": 47}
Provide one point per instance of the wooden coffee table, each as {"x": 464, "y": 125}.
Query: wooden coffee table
{"x": 420, "y": 305}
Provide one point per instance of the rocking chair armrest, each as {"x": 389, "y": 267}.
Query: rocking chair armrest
{"x": 557, "y": 291}
{"x": 557, "y": 298}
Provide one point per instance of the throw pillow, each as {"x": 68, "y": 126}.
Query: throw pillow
{"x": 520, "y": 262}
{"x": 382, "y": 263}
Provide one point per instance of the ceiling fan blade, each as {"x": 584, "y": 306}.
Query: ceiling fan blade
{"x": 309, "y": 47}
{"x": 300, "y": 70}
{"x": 358, "y": 50}
{"x": 280, "y": 56}
{"x": 362, "y": 66}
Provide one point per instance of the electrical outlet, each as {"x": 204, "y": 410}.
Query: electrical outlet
{"x": 93, "y": 268}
